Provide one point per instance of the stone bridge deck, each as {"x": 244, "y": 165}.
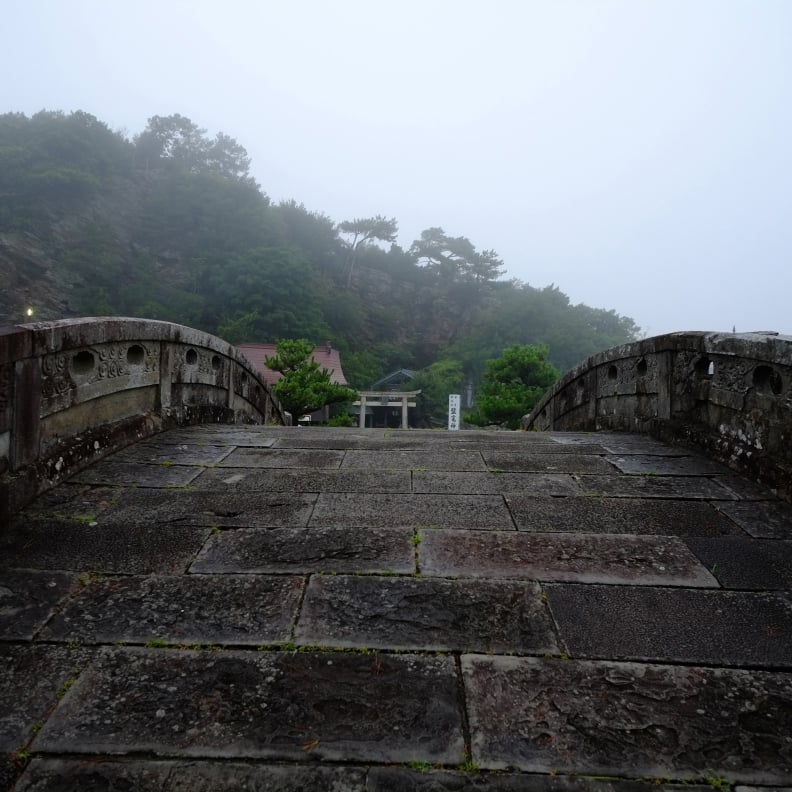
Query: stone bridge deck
{"x": 274, "y": 608}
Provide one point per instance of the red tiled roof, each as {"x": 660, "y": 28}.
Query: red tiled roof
{"x": 325, "y": 356}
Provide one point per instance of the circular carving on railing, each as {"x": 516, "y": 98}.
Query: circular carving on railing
{"x": 191, "y": 357}
{"x": 641, "y": 367}
{"x": 83, "y": 363}
{"x": 216, "y": 362}
{"x": 613, "y": 373}
{"x": 136, "y": 355}
{"x": 243, "y": 378}
{"x": 767, "y": 380}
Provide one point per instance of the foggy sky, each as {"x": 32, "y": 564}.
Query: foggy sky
{"x": 637, "y": 154}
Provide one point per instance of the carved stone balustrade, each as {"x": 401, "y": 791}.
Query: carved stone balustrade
{"x": 74, "y": 390}
{"x": 729, "y": 394}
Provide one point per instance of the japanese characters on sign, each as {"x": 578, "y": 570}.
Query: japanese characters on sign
{"x": 454, "y": 401}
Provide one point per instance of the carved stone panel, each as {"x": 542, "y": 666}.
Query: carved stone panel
{"x": 80, "y": 375}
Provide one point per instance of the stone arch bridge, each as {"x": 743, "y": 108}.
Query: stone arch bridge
{"x": 194, "y": 594}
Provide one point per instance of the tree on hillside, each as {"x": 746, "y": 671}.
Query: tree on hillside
{"x": 176, "y": 140}
{"x": 456, "y": 258}
{"x": 364, "y": 230}
{"x": 304, "y": 387}
{"x": 512, "y": 385}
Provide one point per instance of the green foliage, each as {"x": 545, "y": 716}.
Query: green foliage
{"x": 364, "y": 231}
{"x": 171, "y": 225}
{"x": 342, "y": 419}
{"x": 436, "y": 382}
{"x": 512, "y": 384}
{"x": 304, "y": 387}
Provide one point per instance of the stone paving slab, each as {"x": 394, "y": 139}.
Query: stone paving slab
{"x": 81, "y": 547}
{"x": 743, "y": 563}
{"x": 584, "y": 558}
{"x": 745, "y": 489}
{"x": 71, "y": 501}
{"x": 666, "y": 465}
{"x": 629, "y": 719}
{"x": 283, "y": 458}
{"x": 66, "y": 775}
{"x": 411, "y": 460}
{"x": 551, "y": 446}
{"x": 648, "y": 486}
{"x": 711, "y": 627}
{"x": 133, "y": 474}
{"x": 28, "y": 598}
{"x": 294, "y": 550}
{"x": 620, "y": 516}
{"x": 546, "y": 463}
{"x": 241, "y": 479}
{"x": 421, "y": 614}
{"x": 217, "y": 509}
{"x": 228, "y": 436}
{"x": 157, "y": 453}
{"x": 477, "y": 512}
{"x": 33, "y": 678}
{"x": 268, "y": 705}
{"x": 770, "y": 520}
{"x": 402, "y": 779}
{"x": 185, "y": 609}
{"x": 551, "y": 484}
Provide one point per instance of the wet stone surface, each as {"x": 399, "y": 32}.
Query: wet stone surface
{"x": 629, "y": 719}
{"x": 402, "y": 779}
{"x": 549, "y": 484}
{"x": 479, "y": 512}
{"x": 650, "y": 486}
{"x": 247, "y": 609}
{"x": 291, "y": 551}
{"x": 546, "y": 463}
{"x": 283, "y": 458}
{"x": 743, "y": 563}
{"x": 585, "y": 558}
{"x": 664, "y": 465}
{"x": 66, "y": 775}
{"x": 333, "y": 613}
{"x": 261, "y": 705}
{"x": 395, "y": 459}
{"x": 32, "y": 680}
{"x": 412, "y": 613}
{"x": 133, "y": 549}
{"x": 133, "y": 474}
{"x": 712, "y": 627}
{"x": 220, "y": 509}
{"x": 272, "y": 480}
{"x": 155, "y": 453}
{"x": 620, "y": 516}
{"x": 227, "y": 436}
{"x": 28, "y": 598}
{"x": 770, "y": 520}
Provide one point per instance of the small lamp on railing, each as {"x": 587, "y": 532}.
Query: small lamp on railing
{"x": 29, "y": 312}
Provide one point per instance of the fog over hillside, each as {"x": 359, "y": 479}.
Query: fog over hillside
{"x": 636, "y": 154}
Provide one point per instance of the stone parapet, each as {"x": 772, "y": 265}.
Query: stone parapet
{"x": 74, "y": 390}
{"x": 730, "y": 394}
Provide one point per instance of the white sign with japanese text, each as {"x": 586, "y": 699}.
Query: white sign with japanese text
{"x": 454, "y": 403}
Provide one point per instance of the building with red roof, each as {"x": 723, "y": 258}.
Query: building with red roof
{"x": 324, "y": 355}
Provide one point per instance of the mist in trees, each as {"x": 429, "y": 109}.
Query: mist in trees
{"x": 171, "y": 225}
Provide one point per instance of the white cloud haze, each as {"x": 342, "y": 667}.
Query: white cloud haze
{"x": 636, "y": 153}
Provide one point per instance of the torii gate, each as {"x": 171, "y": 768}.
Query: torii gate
{"x": 386, "y": 399}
